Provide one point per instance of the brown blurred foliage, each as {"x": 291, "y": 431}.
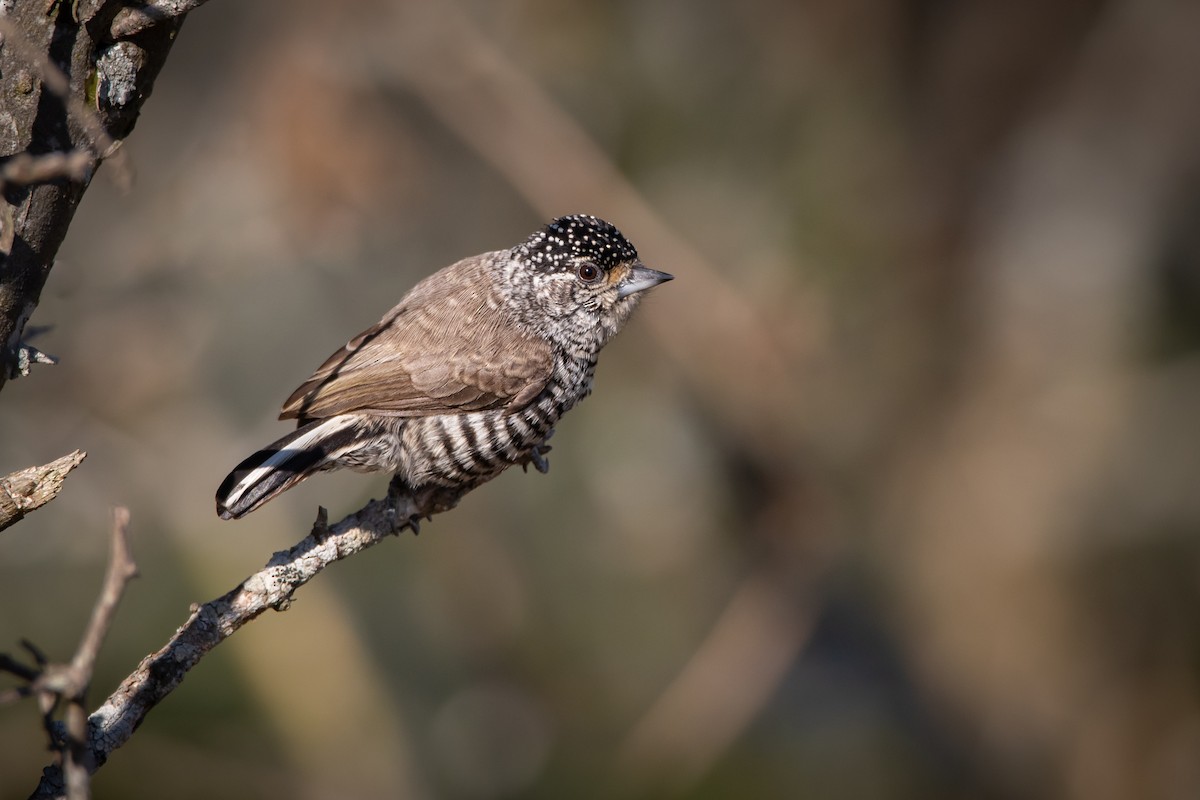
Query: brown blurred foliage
{"x": 890, "y": 494}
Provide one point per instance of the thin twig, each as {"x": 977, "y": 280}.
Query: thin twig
{"x": 29, "y": 489}
{"x": 56, "y": 684}
{"x": 24, "y": 168}
{"x": 121, "y": 570}
{"x": 77, "y": 764}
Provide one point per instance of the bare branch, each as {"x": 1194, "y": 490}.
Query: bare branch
{"x": 75, "y": 760}
{"x": 77, "y": 763}
{"x": 55, "y": 684}
{"x": 29, "y": 489}
{"x": 135, "y": 19}
{"x": 121, "y": 570}
{"x": 747, "y": 653}
{"x": 272, "y": 587}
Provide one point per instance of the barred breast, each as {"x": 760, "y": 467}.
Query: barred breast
{"x": 456, "y": 449}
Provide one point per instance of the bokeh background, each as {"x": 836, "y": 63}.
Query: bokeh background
{"x": 893, "y": 493}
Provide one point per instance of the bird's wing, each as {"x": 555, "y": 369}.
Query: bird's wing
{"x": 442, "y": 350}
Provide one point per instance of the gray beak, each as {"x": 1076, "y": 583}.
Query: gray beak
{"x": 641, "y": 278}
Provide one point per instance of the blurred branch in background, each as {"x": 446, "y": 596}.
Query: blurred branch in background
{"x": 723, "y": 687}
{"x": 24, "y": 169}
{"x": 476, "y": 91}
{"x": 991, "y": 493}
{"x": 901, "y": 506}
{"x": 481, "y": 97}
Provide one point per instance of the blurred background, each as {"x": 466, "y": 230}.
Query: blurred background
{"x": 891, "y": 494}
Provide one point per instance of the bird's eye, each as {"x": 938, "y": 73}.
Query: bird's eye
{"x": 588, "y": 273}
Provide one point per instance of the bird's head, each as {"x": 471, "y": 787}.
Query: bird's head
{"x": 577, "y": 280}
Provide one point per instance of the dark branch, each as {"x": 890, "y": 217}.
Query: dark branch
{"x": 70, "y": 93}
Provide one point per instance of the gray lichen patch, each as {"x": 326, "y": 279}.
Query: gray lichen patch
{"x": 118, "y": 69}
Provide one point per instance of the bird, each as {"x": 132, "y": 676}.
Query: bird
{"x": 466, "y": 376}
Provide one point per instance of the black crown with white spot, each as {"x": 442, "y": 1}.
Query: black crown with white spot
{"x": 568, "y": 240}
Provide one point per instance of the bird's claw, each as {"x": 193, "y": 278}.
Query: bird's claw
{"x": 401, "y": 497}
{"x": 320, "y": 528}
{"x": 537, "y": 457}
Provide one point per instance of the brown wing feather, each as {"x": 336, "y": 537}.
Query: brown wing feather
{"x": 442, "y": 349}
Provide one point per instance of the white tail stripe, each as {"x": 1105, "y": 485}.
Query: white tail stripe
{"x": 319, "y": 432}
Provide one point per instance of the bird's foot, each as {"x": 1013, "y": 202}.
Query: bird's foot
{"x": 320, "y": 527}
{"x": 537, "y": 457}
{"x": 401, "y": 498}
{"x": 421, "y": 503}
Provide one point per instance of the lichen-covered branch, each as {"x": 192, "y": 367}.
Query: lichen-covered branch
{"x": 272, "y": 587}
{"x": 31, "y": 488}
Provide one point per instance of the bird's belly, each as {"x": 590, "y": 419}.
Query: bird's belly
{"x": 453, "y": 450}
{"x": 464, "y": 450}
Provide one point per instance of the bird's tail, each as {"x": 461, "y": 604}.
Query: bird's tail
{"x": 281, "y": 465}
